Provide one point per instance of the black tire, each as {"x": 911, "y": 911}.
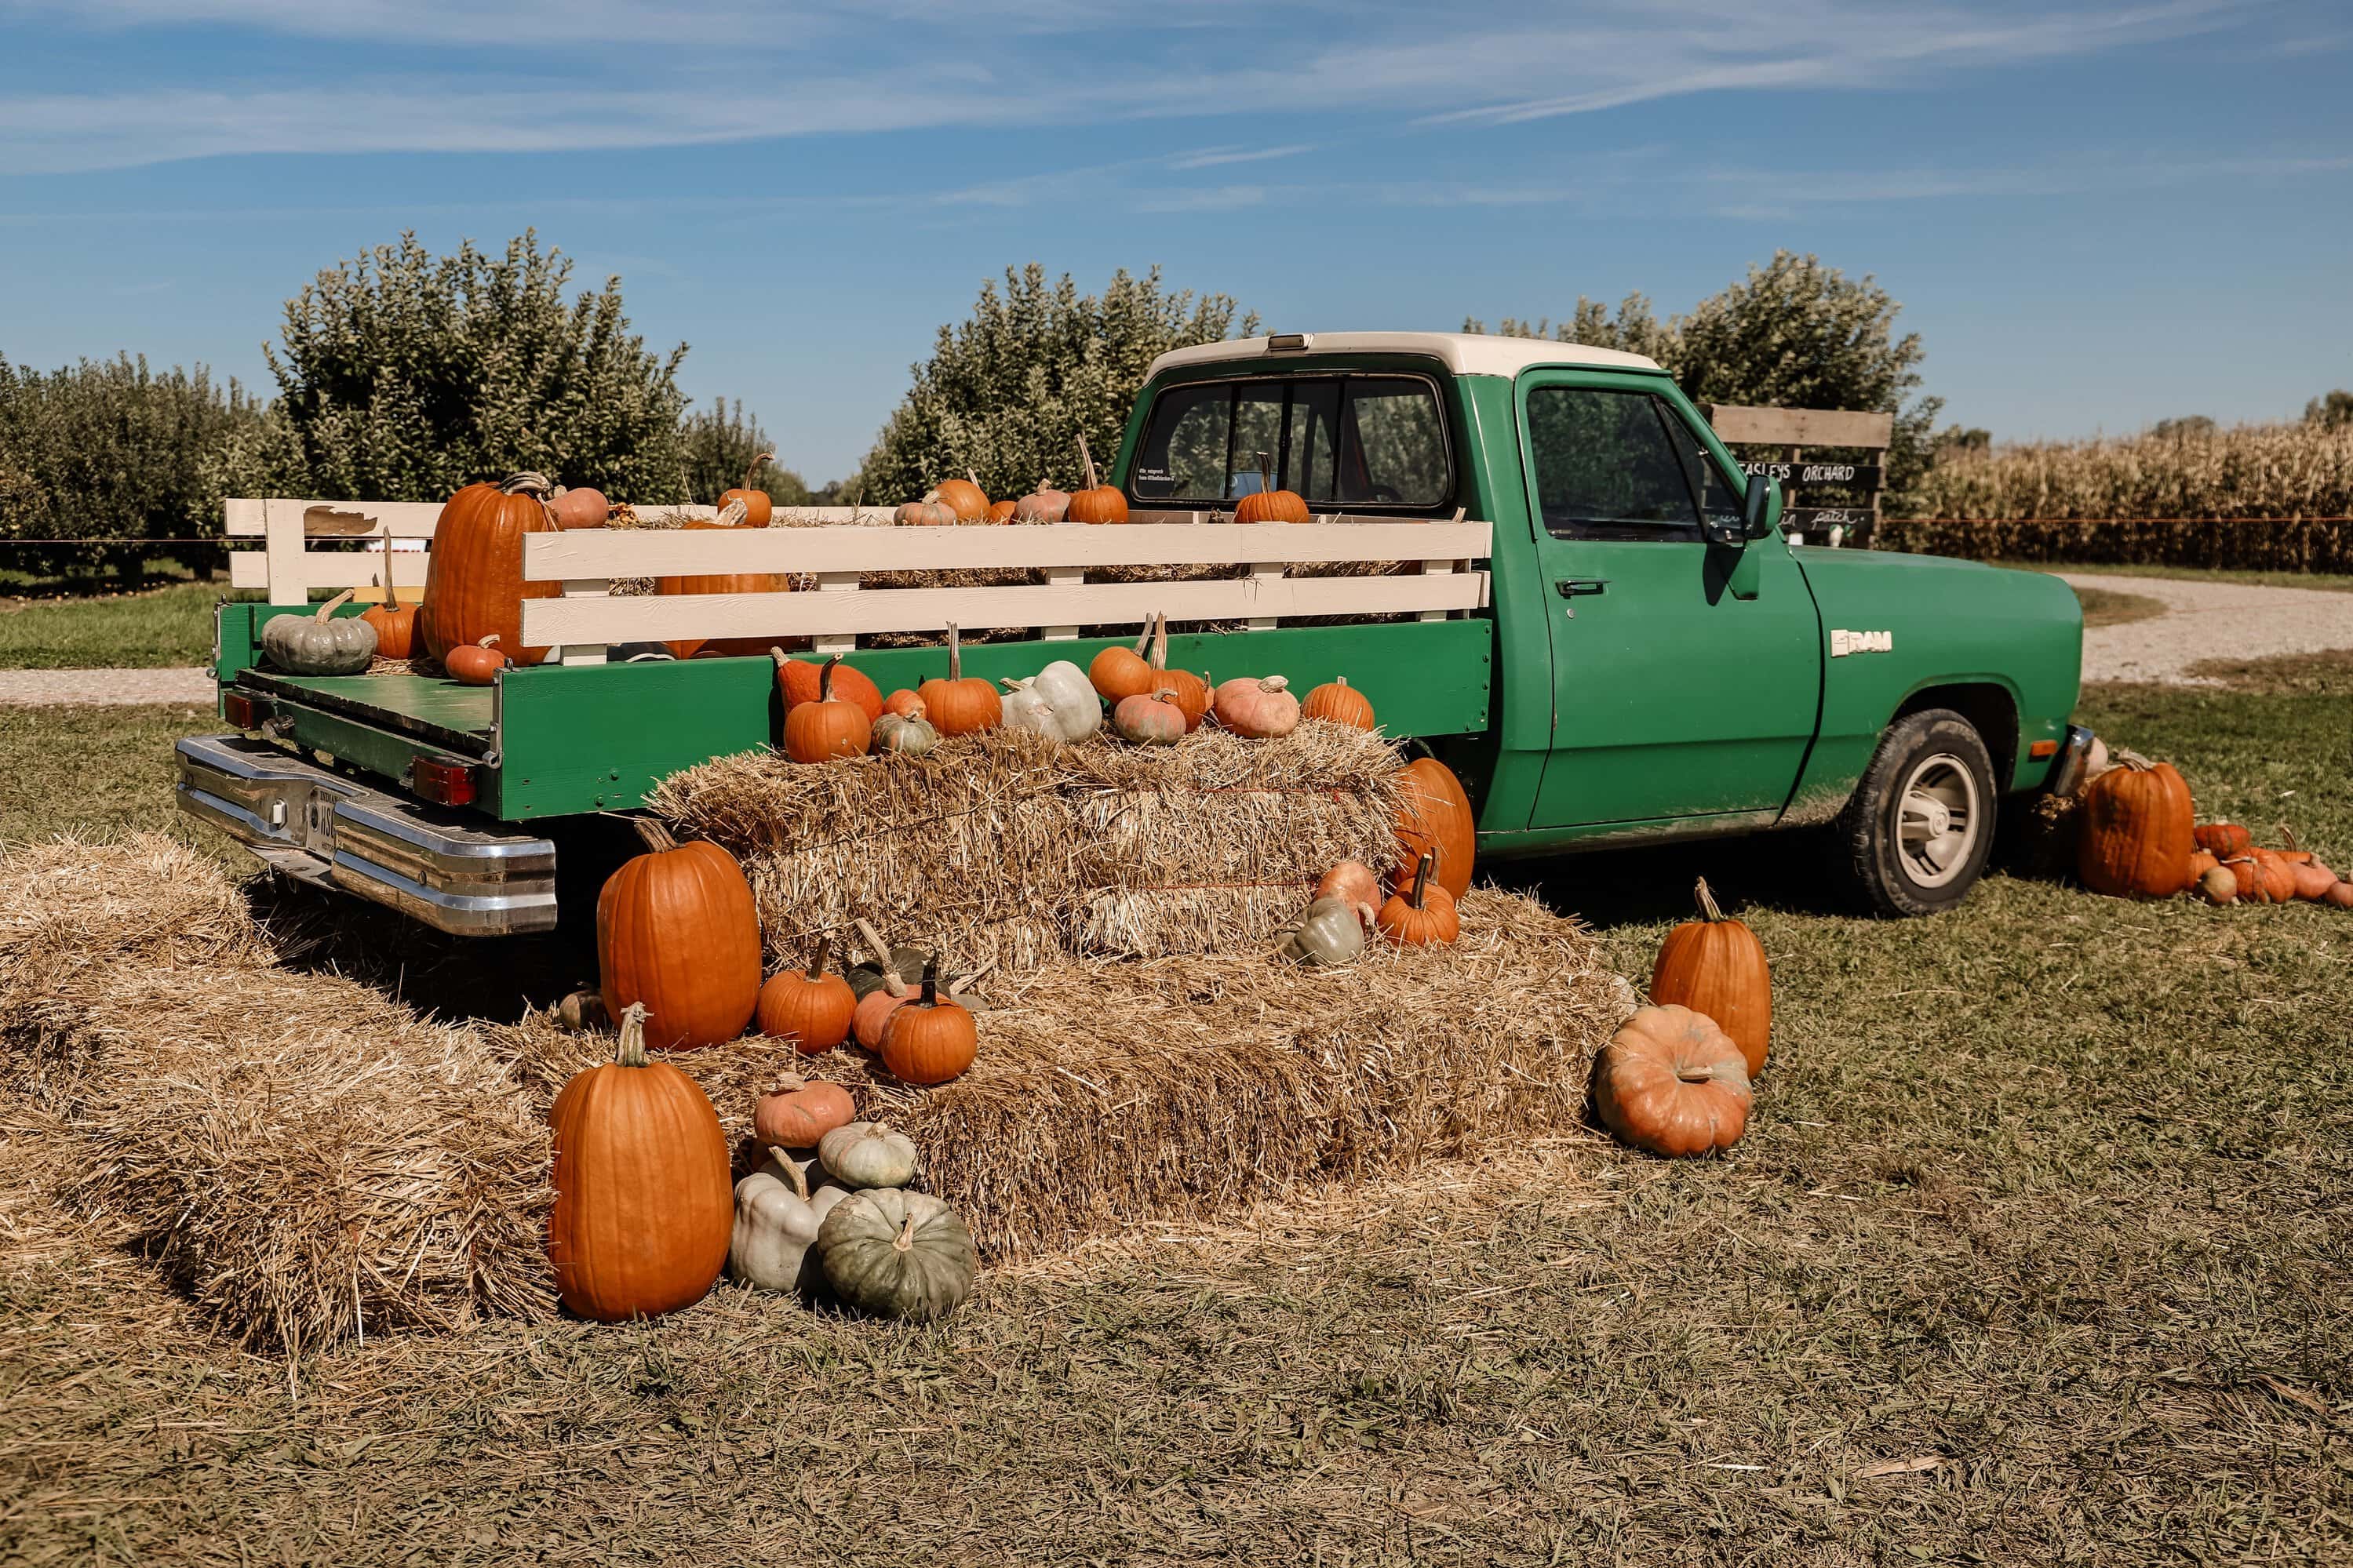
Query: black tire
{"x": 1936, "y": 759}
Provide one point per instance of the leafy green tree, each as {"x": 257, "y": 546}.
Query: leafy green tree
{"x": 1007, "y": 393}
{"x": 110, "y": 451}
{"x": 2333, "y": 412}
{"x": 2189, "y": 427}
{"x": 403, "y": 376}
{"x": 721, "y": 444}
{"x": 1792, "y": 334}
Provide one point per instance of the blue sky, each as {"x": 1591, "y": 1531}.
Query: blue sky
{"x": 2094, "y": 216}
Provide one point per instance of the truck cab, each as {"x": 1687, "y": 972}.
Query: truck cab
{"x": 1536, "y": 560}
{"x": 1667, "y": 664}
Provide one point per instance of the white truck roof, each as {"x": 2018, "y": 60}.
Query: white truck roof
{"x": 1464, "y": 353}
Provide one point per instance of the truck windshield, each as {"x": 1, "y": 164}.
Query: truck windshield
{"x": 1338, "y": 440}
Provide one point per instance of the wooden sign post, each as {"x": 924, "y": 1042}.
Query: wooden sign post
{"x": 1795, "y": 429}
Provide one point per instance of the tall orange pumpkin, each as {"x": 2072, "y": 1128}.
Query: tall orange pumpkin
{"x": 1716, "y": 966}
{"x": 473, "y": 578}
{"x": 1270, "y": 505}
{"x": 961, "y": 704}
{"x": 2136, "y": 835}
{"x": 394, "y": 623}
{"x": 1436, "y": 815}
{"x": 644, "y": 1209}
{"x": 731, "y": 517}
{"x": 1096, "y": 502}
{"x": 676, "y": 931}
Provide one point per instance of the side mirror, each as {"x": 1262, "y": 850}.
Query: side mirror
{"x": 1755, "y": 505}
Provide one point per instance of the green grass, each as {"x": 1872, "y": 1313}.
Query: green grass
{"x": 107, "y": 769}
{"x": 2335, "y": 582}
{"x": 163, "y": 626}
{"x": 2050, "y": 1193}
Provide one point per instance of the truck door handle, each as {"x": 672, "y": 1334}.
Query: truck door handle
{"x": 1571, "y": 587}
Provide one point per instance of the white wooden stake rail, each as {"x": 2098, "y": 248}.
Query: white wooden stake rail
{"x": 1444, "y": 576}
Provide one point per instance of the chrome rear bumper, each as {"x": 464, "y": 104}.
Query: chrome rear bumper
{"x": 435, "y": 866}
{"x": 2074, "y": 755}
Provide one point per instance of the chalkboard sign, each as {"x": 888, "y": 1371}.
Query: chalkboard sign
{"x": 1815, "y": 518}
{"x": 1857, "y": 476}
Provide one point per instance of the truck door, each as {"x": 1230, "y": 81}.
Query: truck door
{"x": 1686, "y": 676}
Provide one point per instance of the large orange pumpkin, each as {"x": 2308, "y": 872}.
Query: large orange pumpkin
{"x": 1272, "y": 505}
{"x": 676, "y": 931}
{"x": 965, "y": 498}
{"x": 1673, "y": 1083}
{"x": 1716, "y": 966}
{"x": 473, "y": 578}
{"x": 1437, "y": 815}
{"x": 644, "y": 1209}
{"x": 961, "y": 704}
{"x": 2136, "y": 835}
{"x": 731, "y": 517}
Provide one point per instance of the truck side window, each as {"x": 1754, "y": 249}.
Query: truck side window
{"x": 1607, "y": 465}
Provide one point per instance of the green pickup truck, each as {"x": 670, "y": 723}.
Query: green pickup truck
{"x": 1609, "y": 637}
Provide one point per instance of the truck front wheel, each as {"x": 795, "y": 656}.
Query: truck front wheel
{"x": 1915, "y": 835}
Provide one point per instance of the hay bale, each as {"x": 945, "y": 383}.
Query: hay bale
{"x": 1016, "y": 853}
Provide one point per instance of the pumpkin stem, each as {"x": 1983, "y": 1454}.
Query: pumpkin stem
{"x": 1706, "y": 902}
{"x": 1088, "y": 458}
{"x": 780, "y": 657}
{"x": 387, "y": 567}
{"x": 1265, "y": 472}
{"x": 632, "y": 1050}
{"x": 973, "y": 475}
{"x": 731, "y": 515}
{"x": 955, "y": 654}
{"x": 528, "y": 483}
{"x": 906, "y": 1236}
{"x": 816, "y": 969}
{"x": 825, "y": 680}
{"x": 1422, "y": 871}
{"x": 762, "y": 458}
{"x": 488, "y": 641}
{"x": 890, "y": 981}
{"x": 656, "y": 838}
{"x": 2287, "y": 837}
{"x": 931, "y": 997}
{"x": 332, "y": 605}
{"x": 1160, "y": 644}
{"x": 793, "y": 1169}
{"x": 1275, "y": 683}
{"x": 1143, "y": 640}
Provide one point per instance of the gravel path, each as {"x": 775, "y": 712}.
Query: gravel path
{"x": 56, "y": 688}
{"x": 2209, "y": 620}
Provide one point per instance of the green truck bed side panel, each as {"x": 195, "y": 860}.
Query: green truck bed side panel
{"x": 596, "y": 737}
{"x": 434, "y": 701}
{"x": 1951, "y": 623}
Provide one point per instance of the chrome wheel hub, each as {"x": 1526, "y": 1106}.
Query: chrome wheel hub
{"x": 1938, "y": 818}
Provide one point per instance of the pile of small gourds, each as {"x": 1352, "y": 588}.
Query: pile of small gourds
{"x": 831, "y": 710}
{"x": 1436, "y": 837}
{"x": 2138, "y": 836}
{"x": 954, "y": 502}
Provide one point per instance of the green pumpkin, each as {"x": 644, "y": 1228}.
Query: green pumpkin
{"x": 897, "y": 1255}
{"x": 866, "y": 977}
{"x": 1332, "y": 933}
{"x": 319, "y": 643}
{"x": 902, "y": 733}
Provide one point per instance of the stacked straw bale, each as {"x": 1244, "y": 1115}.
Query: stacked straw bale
{"x": 1011, "y": 851}
{"x": 311, "y": 1162}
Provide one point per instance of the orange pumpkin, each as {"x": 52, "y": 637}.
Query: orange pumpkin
{"x": 1423, "y": 914}
{"x": 731, "y": 517}
{"x": 2275, "y": 877}
{"x": 2200, "y": 862}
{"x": 1096, "y": 502}
{"x": 812, "y": 1010}
{"x": 1340, "y": 703}
{"x": 965, "y": 498}
{"x": 795, "y": 1112}
{"x": 643, "y": 1207}
{"x": 676, "y": 931}
{"x": 1119, "y": 673}
{"x": 929, "y": 513}
{"x": 927, "y": 1039}
{"x": 1044, "y": 504}
{"x": 2340, "y": 897}
{"x": 1190, "y": 692}
{"x": 902, "y": 702}
{"x": 477, "y": 663}
{"x": 473, "y": 576}
{"x": 799, "y": 678}
{"x": 2136, "y": 836}
{"x": 1269, "y": 504}
{"x": 1002, "y": 511}
{"x": 1354, "y": 884}
{"x": 1436, "y": 815}
{"x": 2222, "y": 839}
{"x": 829, "y": 727}
{"x": 961, "y": 704}
{"x": 1671, "y": 1082}
{"x": 581, "y": 507}
{"x": 394, "y": 623}
{"x": 758, "y": 505}
{"x": 1716, "y": 966}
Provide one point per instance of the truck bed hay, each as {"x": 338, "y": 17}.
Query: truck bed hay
{"x": 1016, "y": 853}
{"x": 311, "y": 1162}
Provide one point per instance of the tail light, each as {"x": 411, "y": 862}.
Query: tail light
{"x": 241, "y": 711}
{"x": 444, "y": 784}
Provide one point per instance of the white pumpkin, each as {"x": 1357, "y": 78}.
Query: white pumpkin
{"x": 1076, "y": 702}
{"x": 1026, "y": 708}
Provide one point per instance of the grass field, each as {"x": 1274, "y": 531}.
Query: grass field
{"x": 2106, "y": 607}
{"x": 161, "y": 627}
{"x": 2040, "y": 1251}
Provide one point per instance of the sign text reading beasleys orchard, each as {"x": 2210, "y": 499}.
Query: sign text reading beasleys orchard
{"x": 1863, "y": 476}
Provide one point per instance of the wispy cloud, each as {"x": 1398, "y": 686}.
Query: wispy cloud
{"x": 592, "y": 75}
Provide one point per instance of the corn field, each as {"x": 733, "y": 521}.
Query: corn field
{"x": 2271, "y": 497}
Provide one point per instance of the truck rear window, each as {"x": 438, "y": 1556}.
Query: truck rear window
{"x": 1338, "y": 440}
